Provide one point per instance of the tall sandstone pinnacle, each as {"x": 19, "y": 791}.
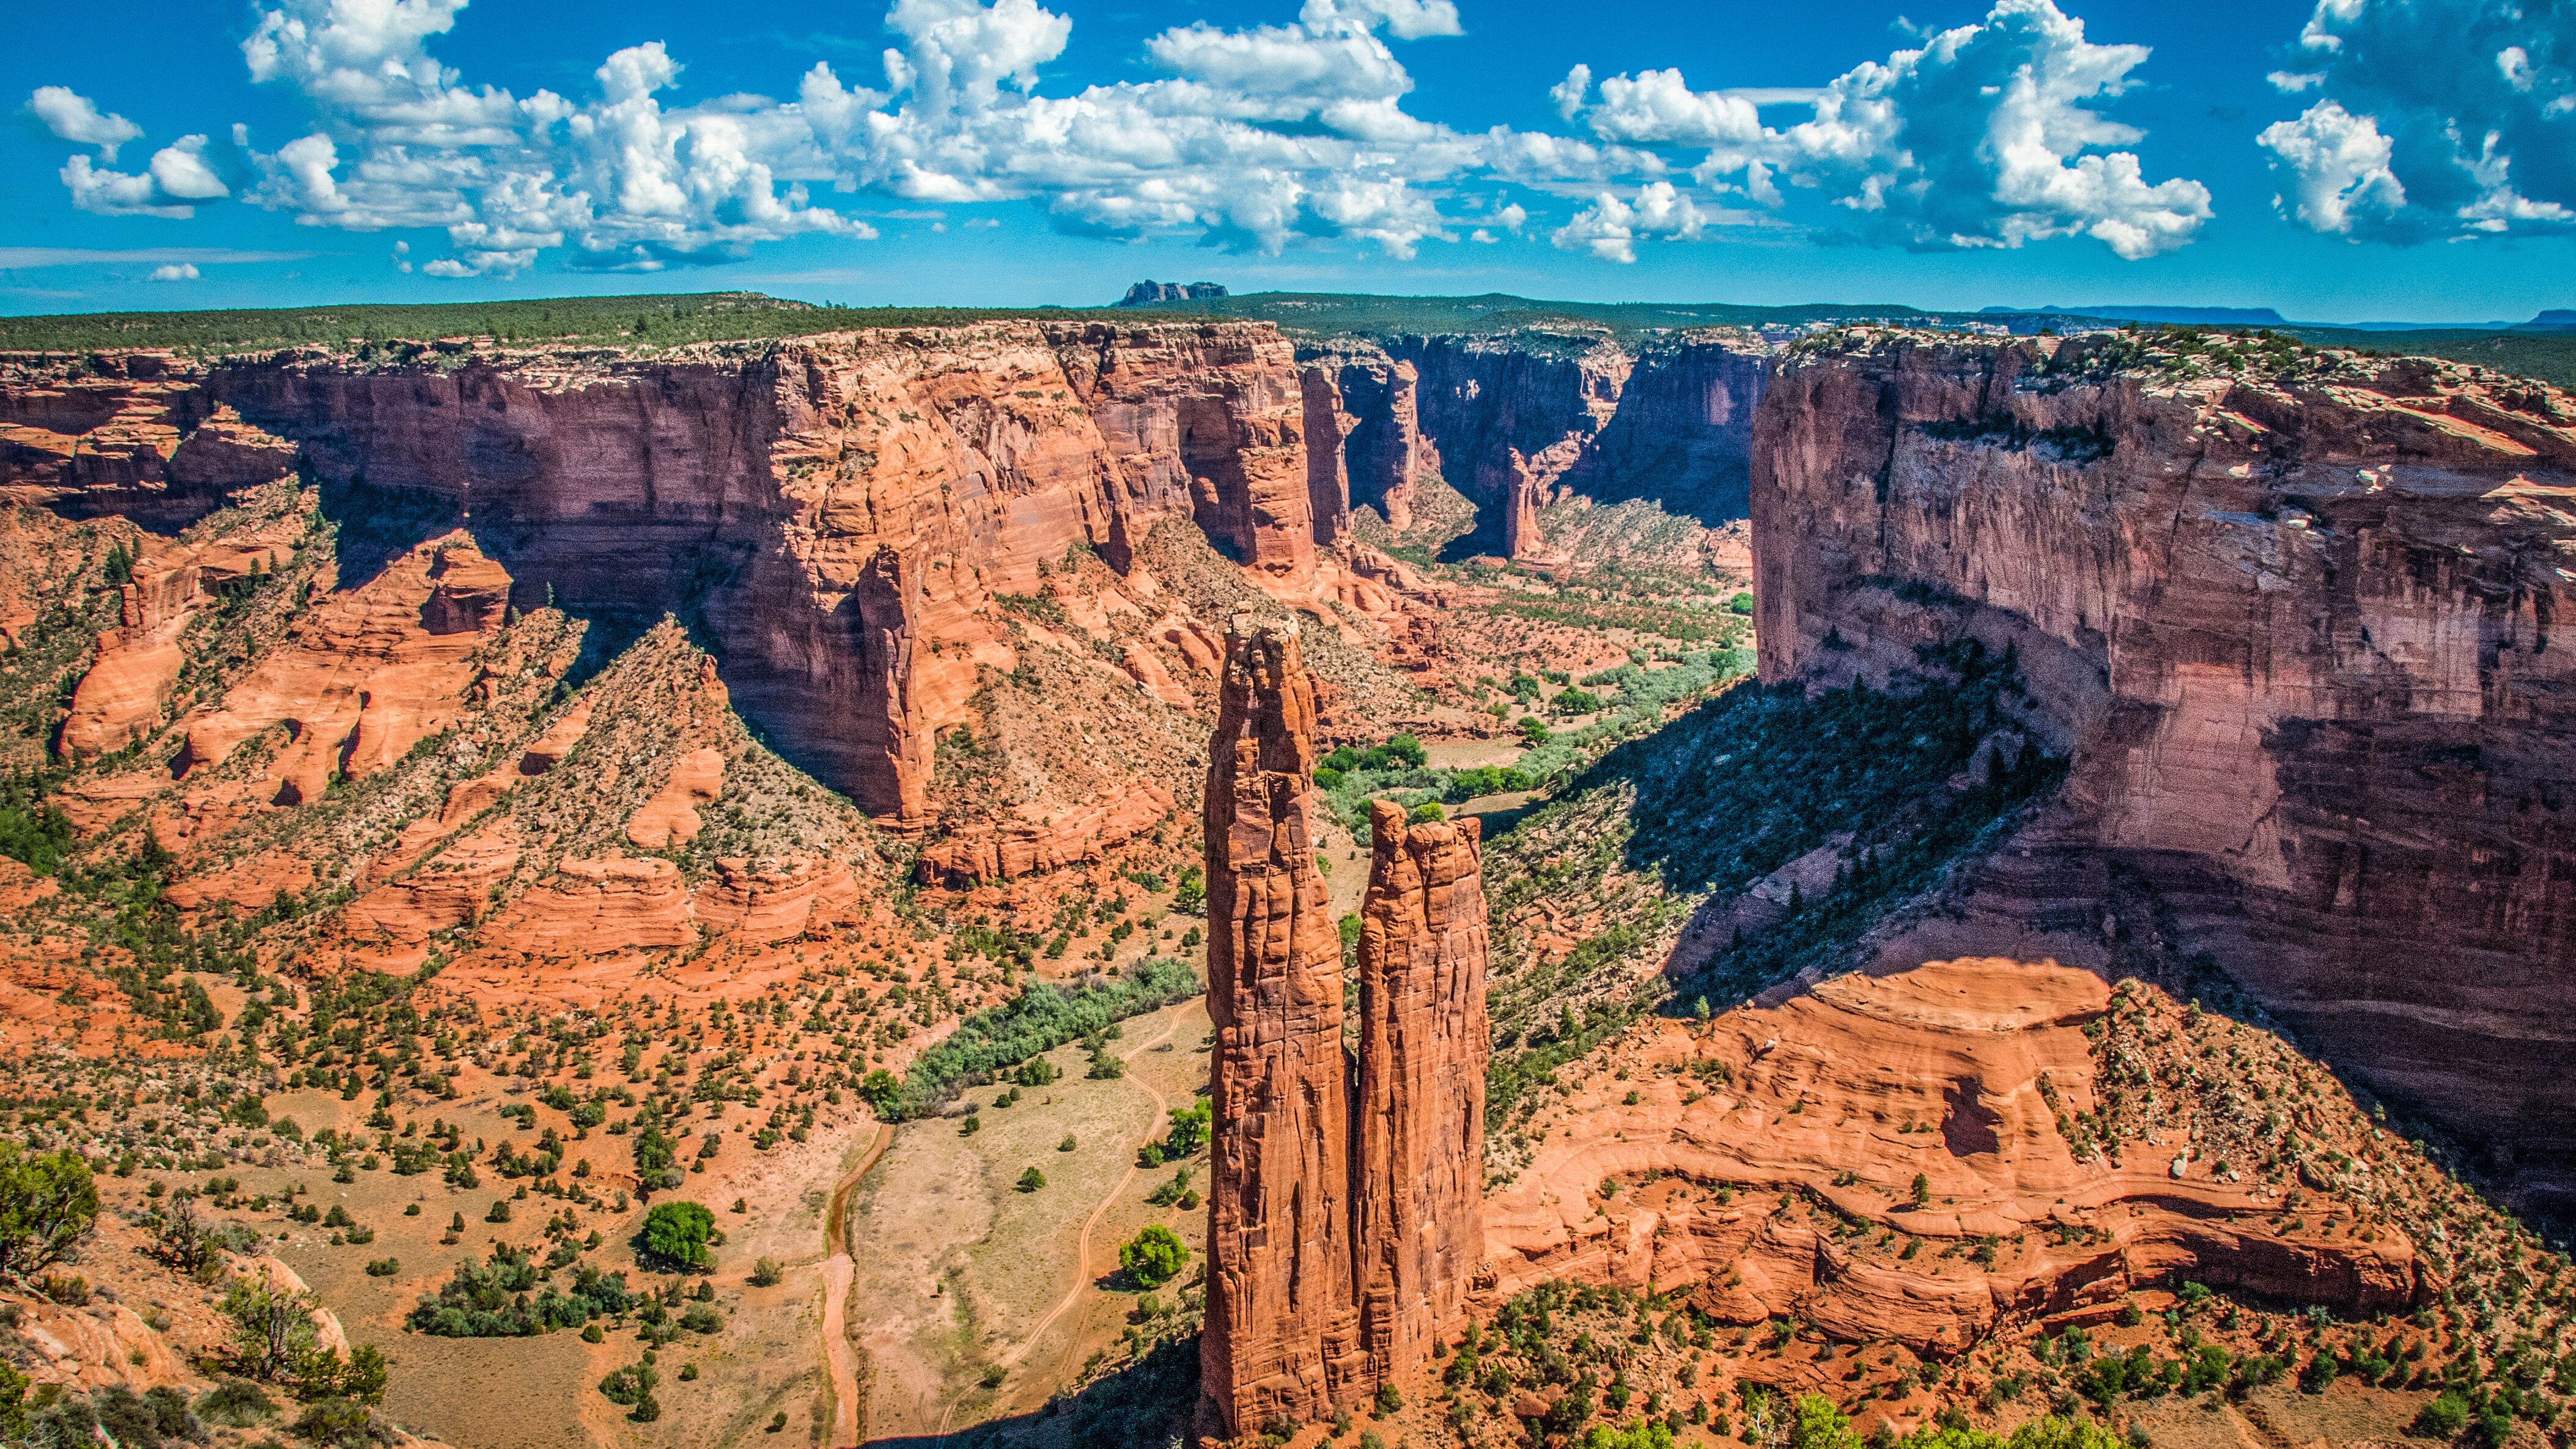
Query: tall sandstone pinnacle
{"x": 1282, "y": 1327}
{"x": 1421, "y": 1099}
{"x": 1342, "y": 1211}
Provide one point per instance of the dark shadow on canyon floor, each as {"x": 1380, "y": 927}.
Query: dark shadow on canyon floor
{"x": 1149, "y": 1402}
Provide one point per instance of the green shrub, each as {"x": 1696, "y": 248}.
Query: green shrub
{"x": 493, "y": 1300}
{"x": 1154, "y": 1256}
{"x": 47, "y": 1205}
{"x": 677, "y": 1233}
{"x": 1040, "y": 1019}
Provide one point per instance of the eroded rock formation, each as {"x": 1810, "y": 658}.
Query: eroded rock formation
{"x": 1691, "y": 1167}
{"x": 1420, "y": 1103}
{"x": 1341, "y": 1219}
{"x": 2302, "y": 624}
{"x": 1514, "y": 421}
{"x": 841, "y": 512}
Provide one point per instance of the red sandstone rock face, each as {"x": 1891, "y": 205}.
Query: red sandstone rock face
{"x": 1420, "y": 1105}
{"x": 1042, "y": 840}
{"x": 1282, "y": 1330}
{"x": 849, "y": 505}
{"x": 1844, "y": 1093}
{"x": 1374, "y": 427}
{"x": 365, "y": 676}
{"x": 1328, "y": 474}
{"x": 1342, "y": 1228}
{"x": 2308, "y": 644}
{"x": 133, "y": 433}
{"x": 1209, "y": 419}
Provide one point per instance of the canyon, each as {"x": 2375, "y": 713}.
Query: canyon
{"x": 1342, "y": 1201}
{"x": 848, "y": 688}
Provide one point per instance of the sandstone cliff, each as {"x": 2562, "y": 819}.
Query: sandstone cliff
{"x": 1985, "y": 1106}
{"x": 1518, "y": 420}
{"x": 2298, "y": 616}
{"x": 840, "y": 514}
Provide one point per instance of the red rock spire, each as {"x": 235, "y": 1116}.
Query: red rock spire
{"x": 1341, "y": 1239}
{"x": 1421, "y": 1099}
{"x": 1279, "y": 1304}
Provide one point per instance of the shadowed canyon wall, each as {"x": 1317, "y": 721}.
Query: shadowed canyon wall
{"x": 1343, "y": 1226}
{"x": 1516, "y": 421}
{"x": 2304, "y": 638}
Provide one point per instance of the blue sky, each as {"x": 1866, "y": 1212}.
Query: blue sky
{"x": 2349, "y": 160}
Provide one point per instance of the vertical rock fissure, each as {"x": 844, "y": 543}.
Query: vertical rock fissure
{"x": 1342, "y": 1213}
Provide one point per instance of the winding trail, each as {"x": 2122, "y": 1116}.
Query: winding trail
{"x": 1082, "y": 1253}
{"x": 839, "y": 1358}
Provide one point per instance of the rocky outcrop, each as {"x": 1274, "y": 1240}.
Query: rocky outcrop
{"x": 1517, "y": 420}
{"x": 1328, "y": 476}
{"x": 2301, "y": 622}
{"x": 364, "y": 677}
{"x": 1510, "y": 416}
{"x": 1036, "y": 840}
{"x": 1420, "y": 1105}
{"x": 697, "y": 778}
{"x": 1380, "y": 436}
{"x": 1207, "y": 421}
{"x": 1688, "y": 1159}
{"x": 1341, "y": 1217}
{"x": 1282, "y": 1333}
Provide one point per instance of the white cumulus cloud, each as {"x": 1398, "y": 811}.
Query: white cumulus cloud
{"x": 2435, "y": 119}
{"x": 1609, "y": 227}
{"x": 1252, "y": 137}
{"x": 72, "y": 117}
{"x": 1988, "y": 135}
{"x": 175, "y": 272}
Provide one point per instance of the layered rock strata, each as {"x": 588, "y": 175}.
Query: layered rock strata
{"x": 2302, "y": 629}
{"x": 839, "y": 512}
{"x": 1282, "y": 1330}
{"x": 1516, "y": 421}
{"x": 1691, "y": 1168}
{"x": 1341, "y": 1222}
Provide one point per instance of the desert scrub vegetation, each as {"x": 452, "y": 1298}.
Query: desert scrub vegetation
{"x": 397, "y": 335}
{"x": 1632, "y": 701}
{"x": 1591, "y": 889}
{"x": 1043, "y": 1017}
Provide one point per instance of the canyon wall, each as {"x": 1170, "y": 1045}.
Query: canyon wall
{"x": 2301, "y": 628}
{"x": 1515, "y": 421}
{"x": 834, "y": 513}
{"x": 1343, "y": 1227}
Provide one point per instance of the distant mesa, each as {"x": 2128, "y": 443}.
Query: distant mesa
{"x": 2560, "y": 318}
{"x": 1146, "y": 294}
